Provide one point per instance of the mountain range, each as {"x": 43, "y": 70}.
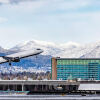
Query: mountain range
{"x": 43, "y": 61}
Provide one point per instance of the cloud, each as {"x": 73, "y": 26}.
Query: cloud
{"x": 66, "y": 6}
{"x": 23, "y": 6}
{"x": 46, "y": 6}
{"x": 2, "y": 20}
{"x": 53, "y": 17}
{"x": 4, "y": 1}
{"x": 15, "y": 1}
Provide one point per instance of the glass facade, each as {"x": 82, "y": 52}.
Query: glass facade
{"x": 85, "y": 69}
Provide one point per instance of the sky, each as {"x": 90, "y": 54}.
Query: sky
{"x": 58, "y": 21}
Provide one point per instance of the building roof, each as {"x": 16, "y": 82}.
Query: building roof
{"x": 58, "y": 58}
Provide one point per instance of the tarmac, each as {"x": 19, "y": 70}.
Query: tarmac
{"x": 49, "y": 97}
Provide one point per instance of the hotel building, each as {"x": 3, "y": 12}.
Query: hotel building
{"x": 78, "y": 68}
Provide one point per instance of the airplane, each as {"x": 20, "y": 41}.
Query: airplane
{"x": 17, "y": 56}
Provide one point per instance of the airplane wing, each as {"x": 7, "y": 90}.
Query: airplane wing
{"x": 25, "y": 54}
{"x": 17, "y": 56}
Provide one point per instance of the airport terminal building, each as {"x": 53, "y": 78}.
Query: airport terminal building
{"x": 78, "y": 68}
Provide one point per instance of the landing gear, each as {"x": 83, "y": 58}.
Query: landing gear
{"x": 9, "y": 62}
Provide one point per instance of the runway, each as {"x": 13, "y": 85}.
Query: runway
{"x": 49, "y": 97}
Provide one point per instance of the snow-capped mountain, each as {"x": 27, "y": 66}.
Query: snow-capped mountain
{"x": 2, "y": 50}
{"x": 91, "y": 50}
{"x": 43, "y": 62}
{"x": 49, "y": 48}
{"x": 68, "y": 50}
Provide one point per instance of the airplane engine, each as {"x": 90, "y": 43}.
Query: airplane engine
{"x": 16, "y": 59}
